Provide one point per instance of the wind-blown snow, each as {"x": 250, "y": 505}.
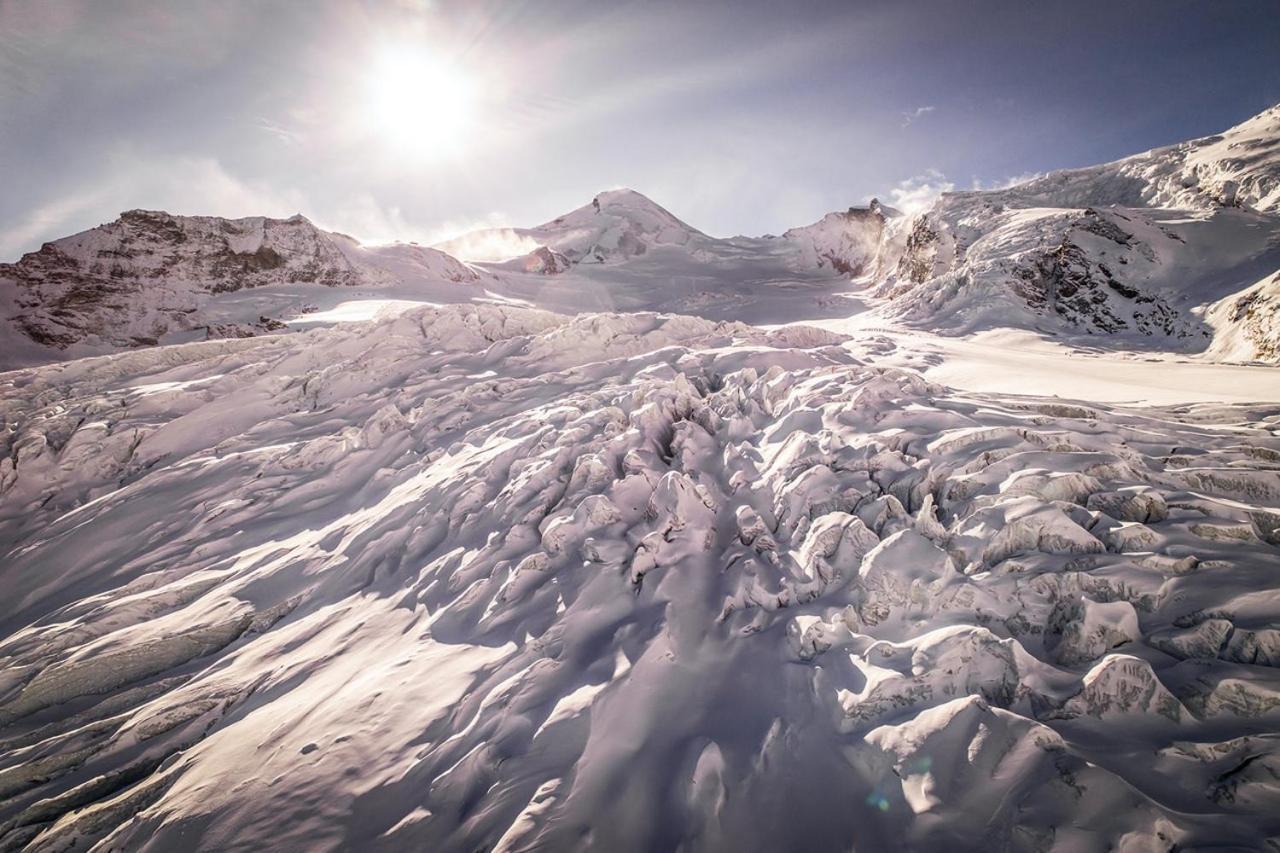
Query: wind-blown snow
{"x": 481, "y": 577}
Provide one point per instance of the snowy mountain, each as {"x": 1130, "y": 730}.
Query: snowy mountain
{"x": 1172, "y": 250}
{"x": 148, "y": 274}
{"x": 484, "y": 577}
{"x": 1138, "y": 250}
{"x": 622, "y": 225}
{"x": 615, "y": 226}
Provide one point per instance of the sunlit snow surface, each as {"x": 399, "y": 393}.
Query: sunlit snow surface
{"x": 478, "y": 577}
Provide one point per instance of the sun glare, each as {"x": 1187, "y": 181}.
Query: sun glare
{"x": 421, "y": 104}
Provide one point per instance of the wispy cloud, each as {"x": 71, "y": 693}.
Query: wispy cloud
{"x": 204, "y": 186}
{"x": 919, "y": 112}
{"x": 279, "y": 131}
{"x": 498, "y": 244}
{"x": 48, "y": 221}
{"x": 365, "y": 218}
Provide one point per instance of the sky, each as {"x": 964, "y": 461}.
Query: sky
{"x": 418, "y": 120}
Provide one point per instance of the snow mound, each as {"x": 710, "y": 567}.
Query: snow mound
{"x": 848, "y": 242}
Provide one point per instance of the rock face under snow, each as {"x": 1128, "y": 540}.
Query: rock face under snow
{"x": 481, "y": 577}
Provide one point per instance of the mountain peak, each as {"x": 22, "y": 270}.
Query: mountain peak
{"x": 629, "y": 204}
{"x": 623, "y": 196}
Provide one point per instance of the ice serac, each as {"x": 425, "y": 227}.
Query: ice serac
{"x": 149, "y": 273}
{"x": 488, "y": 577}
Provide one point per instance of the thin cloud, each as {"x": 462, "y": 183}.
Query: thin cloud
{"x": 919, "y": 112}
{"x": 280, "y": 132}
{"x": 199, "y": 186}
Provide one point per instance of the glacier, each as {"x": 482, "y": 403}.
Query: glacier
{"x": 955, "y": 527}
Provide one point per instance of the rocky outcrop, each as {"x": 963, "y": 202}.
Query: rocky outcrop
{"x": 545, "y": 261}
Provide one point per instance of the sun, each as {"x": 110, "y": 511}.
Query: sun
{"x": 420, "y": 104}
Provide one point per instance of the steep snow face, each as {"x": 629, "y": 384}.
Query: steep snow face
{"x": 479, "y": 577}
{"x": 132, "y": 281}
{"x": 849, "y": 242}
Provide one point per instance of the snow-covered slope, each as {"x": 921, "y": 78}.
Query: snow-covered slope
{"x": 1137, "y": 250}
{"x": 482, "y": 577}
{"x": 1248, "y": 323}
{"x": 148, "y": 274}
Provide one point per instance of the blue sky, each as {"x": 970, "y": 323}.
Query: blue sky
{"x": 739, "y": 117}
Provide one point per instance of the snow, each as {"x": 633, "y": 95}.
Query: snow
{"x": 874, "y": 535}
{"x": 1014, "y": 361}
{"x": 472, "y": 574}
